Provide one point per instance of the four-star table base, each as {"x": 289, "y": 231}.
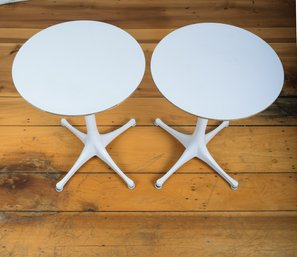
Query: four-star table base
{"x": 95, "y": 144}
{"x": 195, "y": 145}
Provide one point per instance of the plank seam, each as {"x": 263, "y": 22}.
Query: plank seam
{"x": 151, "y": 211}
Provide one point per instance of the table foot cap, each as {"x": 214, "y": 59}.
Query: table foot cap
{"x": 63, "y": 122}
{"x": 156, "y": 122}
{"x": 58, "y": 189}
{"x": 158, "y": 186}
{"x": 234, "y": 187}
{"x": 133, "y": 122}
{"x": 131, "y": 186}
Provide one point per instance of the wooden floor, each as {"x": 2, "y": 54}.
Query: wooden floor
{"x": 196, "y": 213}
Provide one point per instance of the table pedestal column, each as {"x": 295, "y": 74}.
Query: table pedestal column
{"x": 195, "y": 145}
{"x": 95, "y": 144}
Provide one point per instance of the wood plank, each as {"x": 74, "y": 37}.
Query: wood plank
{"x": 148, "y": 234}
{"x": 147, "y": 88}
{"x": 149, "y": 149}
{"x": 190, "y": 192}
{"x": 290, "y": 67}
{"x": 271, "y": 35}
{"x": 150, "y": 14}
{"x": 16, "y": 111}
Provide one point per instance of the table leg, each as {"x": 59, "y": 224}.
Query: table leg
{"x": 86, "y": 154}
{"x": 82, "y": 136}
{"x": 186, "y": 156}
{"x": 195, "y": 145}
{"x": 210, "y": 135}
{"x": 108, "y": 137}
{"x": 95, "y": 144}
{"x": 181, "y": 137}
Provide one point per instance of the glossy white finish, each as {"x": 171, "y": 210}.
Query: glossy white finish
{"x": 195, "y": 145}
{"x": 217, "y": 71}
{"x": 95, "y": 144}
{"x": 78, "y": 68}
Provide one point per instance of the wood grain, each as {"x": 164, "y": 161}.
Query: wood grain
{"x": 150, "y": 14}
{"x": 183, "y": 192}
{"x": 149, "y": 149}
{"x": 168, "y": 234}
{"x": 16, "y": 111}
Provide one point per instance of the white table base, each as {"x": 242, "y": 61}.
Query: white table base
{"x": 195, "y": 145}
{"x": 95, "y": 144}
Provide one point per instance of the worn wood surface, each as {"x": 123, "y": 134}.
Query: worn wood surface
{"x": 196, "y": 213}
{"x": 183, "y": 192}
{"x": 150, "y": 14}
{"x": 149, "y": 149}
{"x": 266, "y": 234}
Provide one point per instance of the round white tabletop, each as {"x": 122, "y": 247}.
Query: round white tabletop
{"x": 78, "y": 68}
{"x": 217, "y": 71}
